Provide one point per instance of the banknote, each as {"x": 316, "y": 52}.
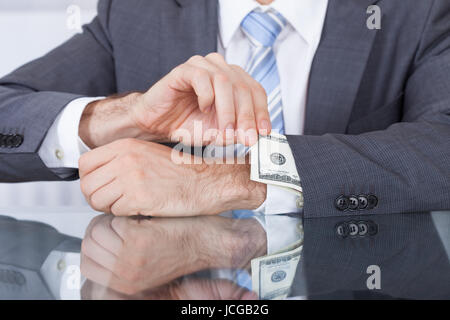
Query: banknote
{"x": 272, "y": 162}
{"x": 272, "y": 276}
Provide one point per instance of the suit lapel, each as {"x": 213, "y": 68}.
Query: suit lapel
{"x": 338, "y": 66}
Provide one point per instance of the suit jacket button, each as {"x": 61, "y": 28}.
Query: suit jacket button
{"x": 16, "y": 140}
{"x": 372, "y": 202}
{"x": 341, "y": 203}
{"x": 362, "y": 199}
{"x": 372, "y": 228}
{"x": 8, "y": 141}
{"x": 342, "y": 230}
{"x": 353, "y": 203}
{"x": 2, "y": 141}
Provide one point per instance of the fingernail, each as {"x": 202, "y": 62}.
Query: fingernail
{"x": 252, "y": 137}
{"x": 264, "y": 127}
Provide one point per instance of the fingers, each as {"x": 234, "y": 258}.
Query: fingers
{"x": 97, "y": 158}
{"x": 104, "y": 198}
{"x": 225, "y": 108}
{"x": 240, "y": 101}
{"x": 259, "y": 96}
{"x": 198, "y": 79}
{"x": 95, "y": 181}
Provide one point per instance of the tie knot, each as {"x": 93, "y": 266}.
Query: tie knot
{"x": 263, "y": 28}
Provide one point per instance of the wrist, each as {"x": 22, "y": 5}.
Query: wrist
{"x": 234, "y": 245}
{"x": 240, "y": 192}
{"x": 107, "y": 120}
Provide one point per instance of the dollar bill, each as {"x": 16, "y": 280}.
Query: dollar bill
{"x": 272, "y": 162}
{"x": 272, "y": 276}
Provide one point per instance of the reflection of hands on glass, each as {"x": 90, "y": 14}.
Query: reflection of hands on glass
{"x": 132, "y": 255}
{"x": 131, "y": 177}
{"x": 185, "y": 289}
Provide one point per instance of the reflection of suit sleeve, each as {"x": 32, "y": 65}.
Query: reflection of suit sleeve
{"x": 408, "y": 248}
{"x": 32, "y": 96}
{"x": 406, "y": 166}
{"x": 24, "y": 247}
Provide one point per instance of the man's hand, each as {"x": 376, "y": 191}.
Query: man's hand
{"x": 230, "y": 105}
{"x": 132, "y": 255}
{"x": 133, "y": 177}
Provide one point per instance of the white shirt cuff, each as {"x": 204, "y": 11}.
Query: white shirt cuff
{"x": 280, "y": 201}
{"x": 62, "y": 146}
{"x": 281, "y": 231}
{"x": 61, "y": 272}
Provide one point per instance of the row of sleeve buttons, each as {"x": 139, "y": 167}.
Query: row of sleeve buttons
{"x": 356, "y": 229}
{"x": 11, "y": 140}
{"x": 352, "y": 202}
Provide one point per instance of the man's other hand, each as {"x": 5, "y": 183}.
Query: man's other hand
{"x": 133, "y": 177}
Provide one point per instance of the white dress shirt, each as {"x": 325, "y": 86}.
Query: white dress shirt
{"x": 295, "y": 49}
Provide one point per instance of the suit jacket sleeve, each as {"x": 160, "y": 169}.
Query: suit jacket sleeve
{"x": 406, "y": 166}
{"x": 32, "y": 96}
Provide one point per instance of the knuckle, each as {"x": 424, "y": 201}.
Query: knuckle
{"x": 221, "y": 77}
{"x": 237, "y": 68}
{"x": 96, "y": 204}
{"x": 259, "y": 89}
{"x": 242, "y": 87}
{"x": 195, "y": 58}
{"x": 215, "y": 56}
{"x": 199, "y": 73}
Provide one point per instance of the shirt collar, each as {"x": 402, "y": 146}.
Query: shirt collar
{"x": 305, "y": 16}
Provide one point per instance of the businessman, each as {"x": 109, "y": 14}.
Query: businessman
{"x": 366, "y": 112}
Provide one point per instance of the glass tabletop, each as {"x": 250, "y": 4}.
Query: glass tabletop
{"x": 392, "y": 256}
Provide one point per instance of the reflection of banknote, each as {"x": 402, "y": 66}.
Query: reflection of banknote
{"x": 272, "y": 276}
{"x": 272, "y": 162}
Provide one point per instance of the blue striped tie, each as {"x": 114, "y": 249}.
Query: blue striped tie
{"x": 263, "y": 29}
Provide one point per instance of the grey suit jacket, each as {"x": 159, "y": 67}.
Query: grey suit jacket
{"x": 377, "y": 115}
{"x": 412, "y": 252}
{"x": 24, "y": 247}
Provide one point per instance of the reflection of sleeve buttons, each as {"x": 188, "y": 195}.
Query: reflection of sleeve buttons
{"x": 372, "y": 228}
{"x": 353, "y": 229}
{"x": 363, "y": 228}
{"x": 342, "y": 230}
